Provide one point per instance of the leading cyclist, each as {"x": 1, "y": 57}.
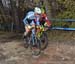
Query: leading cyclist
{"x": 31, "y": 19}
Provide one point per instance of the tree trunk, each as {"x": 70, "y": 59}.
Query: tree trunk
{"x": 48, "y": 8}
{"x": 53, "y": 5}
{"x": 15, "y": 19}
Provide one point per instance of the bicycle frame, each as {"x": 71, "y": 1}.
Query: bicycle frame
{"x": 34, "y": 40}
{"x": 34, "y": 35}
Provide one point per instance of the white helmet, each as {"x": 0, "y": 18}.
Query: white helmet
{"x": 37, "y": 10}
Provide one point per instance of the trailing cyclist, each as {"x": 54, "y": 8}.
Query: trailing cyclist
{"x": 44, "y": 20}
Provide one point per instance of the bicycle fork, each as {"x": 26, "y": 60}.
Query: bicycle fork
{"x": 33, "y": 37}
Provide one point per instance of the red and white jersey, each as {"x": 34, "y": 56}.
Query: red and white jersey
{"x": 44, "y": 18}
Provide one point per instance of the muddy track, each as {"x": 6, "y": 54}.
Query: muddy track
{"x": 58, "y": 51}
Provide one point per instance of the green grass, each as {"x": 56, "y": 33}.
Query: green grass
{"x": 61, "y": 35}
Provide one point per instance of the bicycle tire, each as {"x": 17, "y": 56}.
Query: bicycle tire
{"x": 44, "y": 41}
{"x": 37, "y": 51}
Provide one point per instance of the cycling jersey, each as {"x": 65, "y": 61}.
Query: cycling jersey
{"x": 30, "y": 17}
{"x": 44, "y": 20}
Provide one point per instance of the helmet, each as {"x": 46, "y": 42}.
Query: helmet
{"x": 37, "y": 10}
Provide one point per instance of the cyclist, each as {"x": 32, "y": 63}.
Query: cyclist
{"x": 44, "y": 20}
{"x": 30, "y": 19}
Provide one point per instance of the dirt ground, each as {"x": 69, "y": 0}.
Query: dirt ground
{"x": 61, "y": 49}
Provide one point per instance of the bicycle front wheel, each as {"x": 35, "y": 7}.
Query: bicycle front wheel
{"x": 35, "y": 47}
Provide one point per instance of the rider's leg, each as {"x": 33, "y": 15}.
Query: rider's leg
{"x": 26, "y": 30}
{"x": 33, "y": 31}
{"x": 26, "y": 27}
{"x": 33, "y": 26}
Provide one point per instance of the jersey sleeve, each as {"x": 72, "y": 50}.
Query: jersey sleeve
{"x": 24, "y": 20}
{"x": 30, "y": 15}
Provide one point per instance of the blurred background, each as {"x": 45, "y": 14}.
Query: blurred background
{"x": 12, "y": 13}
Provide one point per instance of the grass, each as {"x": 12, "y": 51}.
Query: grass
{"x": 61, "y": 35}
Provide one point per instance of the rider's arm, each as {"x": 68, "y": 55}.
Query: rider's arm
{"x": 30, "y": 15}
{"x": 47, "y": 21}
{"x": 24, "y": 20}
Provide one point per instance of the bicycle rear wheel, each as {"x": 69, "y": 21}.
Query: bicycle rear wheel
{"x": 44, "y": 41}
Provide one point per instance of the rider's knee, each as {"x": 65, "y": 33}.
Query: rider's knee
{"x": 33, "y": 25}
{"x": 27, "y": 29}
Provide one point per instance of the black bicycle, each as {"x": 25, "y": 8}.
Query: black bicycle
{"x": 38, "y": 41}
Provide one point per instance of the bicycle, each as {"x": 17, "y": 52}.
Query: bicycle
{"x": 39, "y": 40}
